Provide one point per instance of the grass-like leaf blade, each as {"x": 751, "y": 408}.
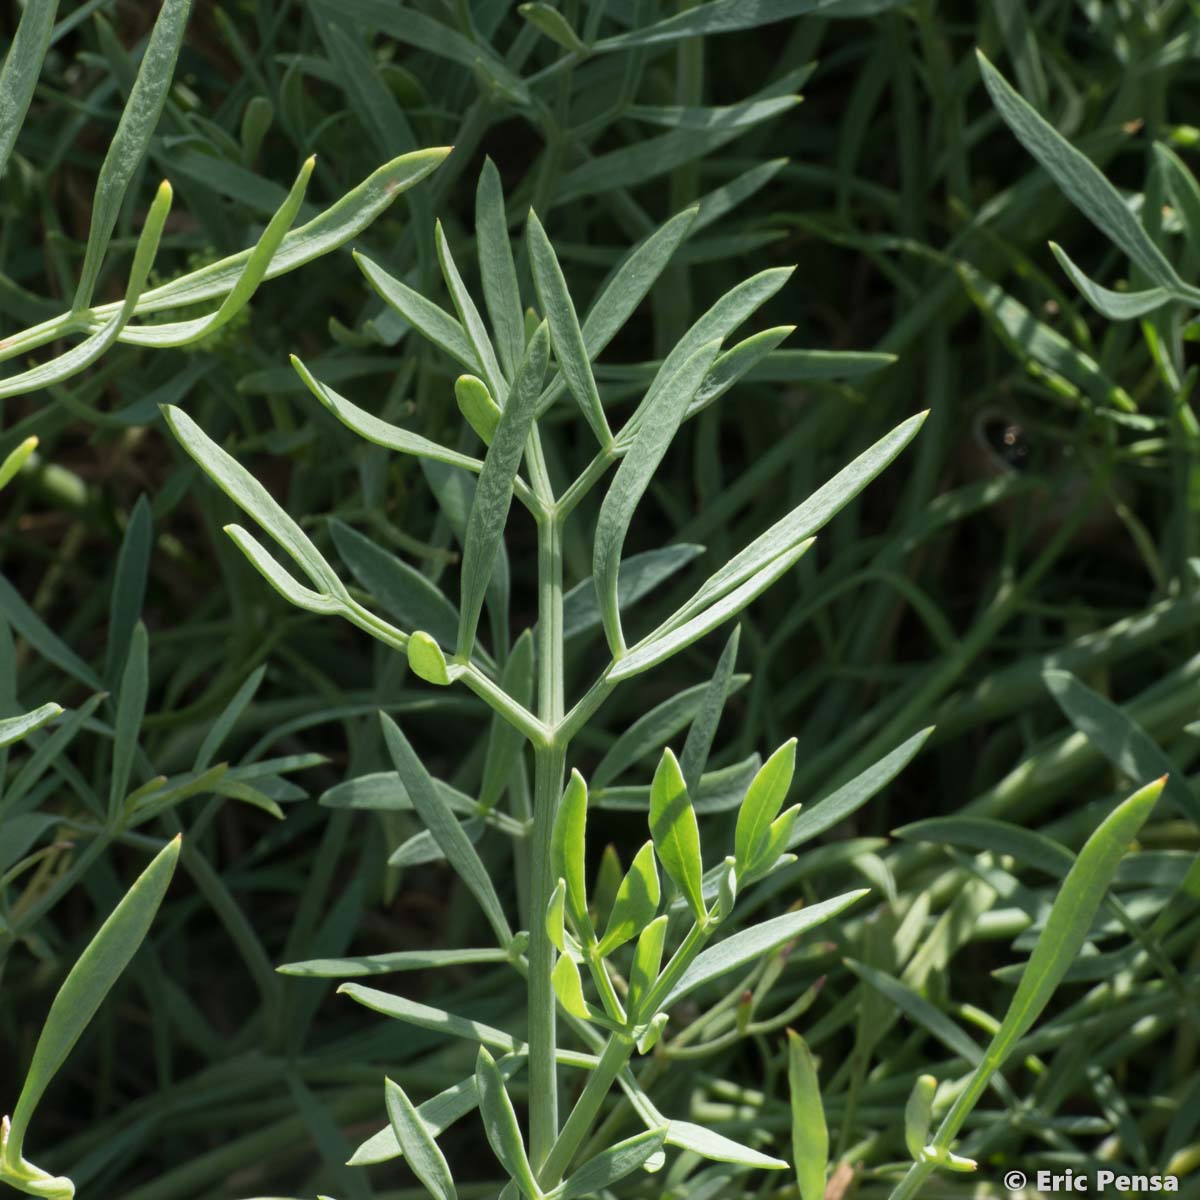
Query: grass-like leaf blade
{"x": 88, "y": 982}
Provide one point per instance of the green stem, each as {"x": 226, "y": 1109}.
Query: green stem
{"x": 549, "y": 764}
{"x": 616, "y": 1055}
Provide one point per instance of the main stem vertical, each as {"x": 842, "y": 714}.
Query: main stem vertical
{"x": 549, "y": 764}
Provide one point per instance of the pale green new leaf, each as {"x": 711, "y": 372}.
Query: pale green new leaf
{"x": 87, "y": 983}
{"x": 500, "y": 1125}
{"x": 647, "y": 959}
{"x": 612, "y": 1165}
{"x": 570, "y": 351}
{"x": 633, "y": 478}
{"x": 493, "y": 495}
{"x": 676, "y": 834}
{"x": 15, "y": 460}
{"x": 1071, "y": 917}
{"x": 416, "y": 1143}
{"x": 636, "y": 903}
{"x": 764, "y": 799}
{"x": 250, "y": 495}
{"x": 1066, "y": 928}
{"x": 810, "y": 1135}
{"x": 446, "y": 831}
{"x": 568, "y": 987}
{"x": 567, "y": 849}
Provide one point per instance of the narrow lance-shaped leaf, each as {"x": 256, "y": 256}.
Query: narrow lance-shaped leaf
{"x": 1119, "y": 738}
{"x": 1082, "y": 182}
{"x": 568, "y": 987}
{"x": 493, "y": 495}
{"x": 446, "y": 830}
{"x": 132, "y": 138}
{"x": 250, "y": 495}
{"x": 131, "y": 708}
{"x": 647, "y": 959}
{"x": 764, "y": 799}
{"x": 810, "y": 1136}
{"x": 632, "y": 280}
{"x": 716, "y": 324}
{"x": 636, "y": 903}
{"x": 182, "y": 333}
{"x": 369, "y": 426}
{"x": 420, "y": 1151}
{"x": 432, "y": 322}
{"x": 1071, "y": 916}
{"x": 86, "y": 985}
{"x": 708, "y": 714}
{"x": 13, "y": 729}
{"x": 676, "y": 834}
{"x": 751, "y": 944}
{"x": 631, "y": 481}
{"x": 567, "y": 849}
{"x": 501, "y": 292}
{"x": 672, "y": 637}
{"x": 400, "y": 589}
{"x": 264, "y": 563}
{"x": 500, "y": 1125}
{"x": 20, "y": 73}
{"x": 92, "y": 348}
{"x": 470, "y": 319}
{"x": 918, "y": 1115}
{"x": 612, "y": 1165}
{"x": 569, "y": 350}
{"x": 129, "y": 586}
{"x": 806, "y": 518}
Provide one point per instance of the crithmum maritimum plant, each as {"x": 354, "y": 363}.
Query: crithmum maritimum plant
{"x": 612, "y": 976}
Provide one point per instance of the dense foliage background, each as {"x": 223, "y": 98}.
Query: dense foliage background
{"x": 1046, "y": 517}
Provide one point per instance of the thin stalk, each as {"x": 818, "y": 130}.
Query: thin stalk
{"x": 612, "y": 1061}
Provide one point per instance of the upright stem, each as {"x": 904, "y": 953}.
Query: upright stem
{"x": 549, "y": 763}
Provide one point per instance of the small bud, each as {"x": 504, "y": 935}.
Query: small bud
{"x": 477, "y": 406}
{"x": 427, "y": 660}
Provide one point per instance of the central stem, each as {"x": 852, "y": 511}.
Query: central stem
{"x": 549, "y": 764}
